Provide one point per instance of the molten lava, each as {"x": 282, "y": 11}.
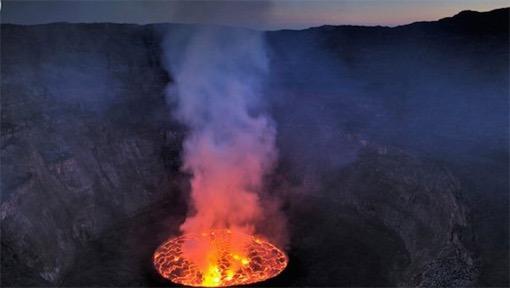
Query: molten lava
{"x": 218, "y": 258}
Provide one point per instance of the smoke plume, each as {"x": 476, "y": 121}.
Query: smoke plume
{"x": 231, "y": 145}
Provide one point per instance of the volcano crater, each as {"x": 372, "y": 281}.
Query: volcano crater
{"x": 390, "y": 218}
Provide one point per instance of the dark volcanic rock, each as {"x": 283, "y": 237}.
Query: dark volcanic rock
{"x": 420, "y": 201}
{"x": 441, "y": 88}
{"x": 83, "y": 127}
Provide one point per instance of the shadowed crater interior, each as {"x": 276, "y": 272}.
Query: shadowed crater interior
{"x": 361, "y": 228}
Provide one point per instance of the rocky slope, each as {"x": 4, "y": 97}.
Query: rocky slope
{"x": 84, "y": 128}
{"x": 439, "y": 88}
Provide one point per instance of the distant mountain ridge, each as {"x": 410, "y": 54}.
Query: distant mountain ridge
{"x": 496, "y": 20}
{"x": 491, "y": 22}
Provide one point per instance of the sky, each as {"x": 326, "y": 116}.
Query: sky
{"x": 260, "y": 14}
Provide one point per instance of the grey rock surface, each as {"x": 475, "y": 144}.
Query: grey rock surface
{"x": 420, "y": 200}
{"x": 84, "y": 126}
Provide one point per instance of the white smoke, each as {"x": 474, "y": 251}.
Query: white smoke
{"x": 217, "y": 95}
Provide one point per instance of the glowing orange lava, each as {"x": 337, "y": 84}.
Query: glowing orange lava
{"x": 218, "y": 258}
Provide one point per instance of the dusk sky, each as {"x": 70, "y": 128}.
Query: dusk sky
{"x": 276, "y": 14}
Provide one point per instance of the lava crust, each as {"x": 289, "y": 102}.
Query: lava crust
{"x": 218, "y": 258}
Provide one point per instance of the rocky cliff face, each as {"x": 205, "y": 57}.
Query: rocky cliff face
{"x": 439, "y": 88}
{"x": 84, "y": 127}
{"x": 421, "y": 202}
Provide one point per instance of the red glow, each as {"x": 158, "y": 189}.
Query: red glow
{"x": 218, "y": 258}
